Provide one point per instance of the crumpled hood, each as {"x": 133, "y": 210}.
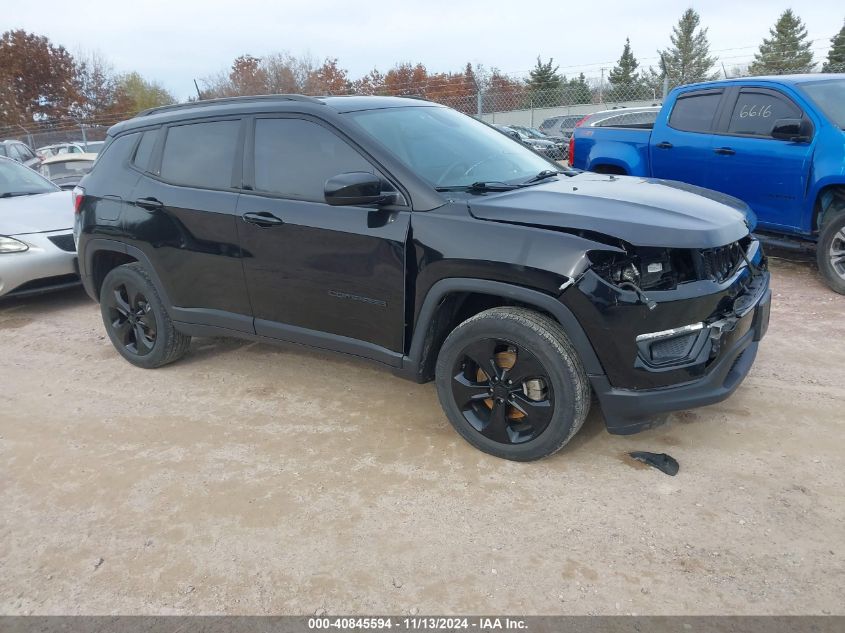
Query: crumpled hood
{"x": 36, "y": 214}
{"x": 643, "y": 212}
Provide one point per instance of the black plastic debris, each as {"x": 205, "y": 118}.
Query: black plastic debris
{"x": 661, "y": 461}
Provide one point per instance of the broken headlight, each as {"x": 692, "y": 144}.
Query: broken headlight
{"x": 648, "y": 269}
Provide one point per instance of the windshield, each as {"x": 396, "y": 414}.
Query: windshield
{"x": 15, "y": 179}
{"x": 450, "y": 149}
{"x": 829, "y": 96}
{"x": 66, "y": 168}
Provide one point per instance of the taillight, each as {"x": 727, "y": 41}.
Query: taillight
{"x": 572, "y": 141}
{"x": 78, "y": 199}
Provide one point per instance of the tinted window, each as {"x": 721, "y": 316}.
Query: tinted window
{"x": 294, "y": 158}
{"x": 25, "y": 152}
{"x": 695, "y": 113}
{"x": 756, "y": 112}
{"x": 145, "y": 149}
{"x": 15, "y": 152}
{"x": 200, "y": 154}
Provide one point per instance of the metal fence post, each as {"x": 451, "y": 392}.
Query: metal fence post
{"x": 479, "y": 97}
{"x": 531, "y": 109}
{"x": 665, "y": 87}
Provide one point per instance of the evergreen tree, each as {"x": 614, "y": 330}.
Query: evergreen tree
{"x": 625, "y": 81}
{"x": 625, "y": 72}
{"x": 688, "y": 59}
{"x": 544, "y": 83}
{"x": 786, "y": 51}
{"x": 576, "y": 91}
{"x": 836, "y": 55}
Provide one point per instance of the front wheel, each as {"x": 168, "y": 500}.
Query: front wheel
{"x": 830, "y": 252}
{"x": 512, "y": 384}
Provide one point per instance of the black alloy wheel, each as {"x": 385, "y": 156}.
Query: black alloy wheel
{"x": 503, "y": 391}
{"x": 131, "y": 318}
{"x": 512, "y": 384}
{"x": 136, "y": 320}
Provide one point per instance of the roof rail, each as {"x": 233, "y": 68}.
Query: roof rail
{"x": 223, "y": 100}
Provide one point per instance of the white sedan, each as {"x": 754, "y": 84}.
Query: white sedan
{"x": 37, "y": 251}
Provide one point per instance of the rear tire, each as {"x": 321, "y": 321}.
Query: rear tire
{"x": 830, "y": 251}
{"x": 136, "y": 321}
{"x": 512, "y": 384}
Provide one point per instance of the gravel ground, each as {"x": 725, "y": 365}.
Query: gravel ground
{"x": 254, "y": 479}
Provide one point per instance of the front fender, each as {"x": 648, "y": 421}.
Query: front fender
{"x": 412, "y": 363}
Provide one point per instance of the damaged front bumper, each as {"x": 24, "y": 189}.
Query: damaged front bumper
{"x": 630, "y": 411}
{"x": 694, "y": 349}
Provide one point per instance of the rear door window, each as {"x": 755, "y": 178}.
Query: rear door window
{"x": 201, "y": 154}
{"x": 756, "y": 111}
{"x": 695, "y": 112}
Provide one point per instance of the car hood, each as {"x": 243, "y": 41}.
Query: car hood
{"x": 643, "y": 212}
{"x": 37, "y": 213}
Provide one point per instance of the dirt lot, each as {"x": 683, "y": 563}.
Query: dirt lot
{"x": 257, "y": 479}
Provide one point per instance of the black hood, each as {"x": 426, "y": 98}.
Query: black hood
{"x": 643, "y": 212}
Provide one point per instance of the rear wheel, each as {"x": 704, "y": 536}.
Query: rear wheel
{"x": 830, "y": 252}
{"x": 136, "y": 321}
{"x": 512, "y": 384}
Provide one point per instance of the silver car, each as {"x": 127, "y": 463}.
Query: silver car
{"x": 37, "y": 250}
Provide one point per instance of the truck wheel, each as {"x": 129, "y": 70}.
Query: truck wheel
{"x": 136, "y": 321}
{"x": 512, "y": 384}
{"x": 830, "y": 252}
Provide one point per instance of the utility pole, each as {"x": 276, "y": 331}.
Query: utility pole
{"x": 601, "y": 87}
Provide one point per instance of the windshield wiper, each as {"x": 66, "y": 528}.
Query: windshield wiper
{"x": 546, "y": 173}
{"x": 15, "y": 194}
{"x": 481, "y": 185}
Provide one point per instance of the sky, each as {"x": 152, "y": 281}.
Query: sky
{"x": 175, "y": 41}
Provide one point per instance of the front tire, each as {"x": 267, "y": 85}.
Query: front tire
{"x": 136, "y": 321}
{"x": 830, "y": 251}
{"x": 512, "y": 384}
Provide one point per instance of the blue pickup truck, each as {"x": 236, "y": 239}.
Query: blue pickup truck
{"x": 777, "y": 143}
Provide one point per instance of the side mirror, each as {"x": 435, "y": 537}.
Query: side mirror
{"x": 796, "y": 130}
{"x": 354, "y": 188}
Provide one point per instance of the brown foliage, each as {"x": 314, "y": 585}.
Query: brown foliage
{"x": 37, "y": 79}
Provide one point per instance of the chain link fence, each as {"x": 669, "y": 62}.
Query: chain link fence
{"x": 514, "y": 102}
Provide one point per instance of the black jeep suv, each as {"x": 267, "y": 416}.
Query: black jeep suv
{"x": 404, "y": 232}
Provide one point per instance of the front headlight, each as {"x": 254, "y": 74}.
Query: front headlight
{"x": 11, "y": 245}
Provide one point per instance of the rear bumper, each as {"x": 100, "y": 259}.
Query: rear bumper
{"x": 629, "y": 411}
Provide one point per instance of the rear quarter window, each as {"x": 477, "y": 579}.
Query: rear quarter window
{"x": 145, "y": 150}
